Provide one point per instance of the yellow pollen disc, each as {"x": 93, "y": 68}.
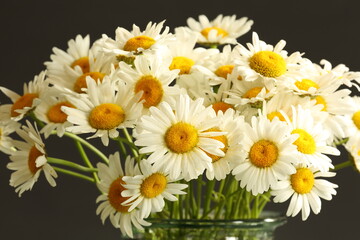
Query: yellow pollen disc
{"x": 152, "y": 90}
{"x": 302, "y": 181}
{"x": 34, "y": 153}
{"x": 205, "y": 31}
{"x": 321, "y": 100}
{"x": 305, "y": 84}
{"x": 222, "y": 139}
{"x": 184, "y": 64}
{"x": 153, "y": 185}
{"x": 114, "y": 195}
{"x": 55, "y": 114}
{"x": 134, "y": 43}
{"x": 83, "y": 63}
{"x": 272, "y": 115}
{"x": 305, "y": 143}
{"x": 358, "y": 153}
{"x": 106, "y": 116}
{"x": 263, "y": 154}
{"x": 221, "y": 106}
{"x": 268, "y": 64}
{"x": 181, "y": 137}
{"x": 223, "y": 71}
{"x": 252, "y": 92}
{"x": 24, "y": 101}
{"x": 356, "y": 119}
{"x": 81, "y": 81}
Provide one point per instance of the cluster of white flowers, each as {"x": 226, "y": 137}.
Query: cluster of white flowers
{"x": 253, "y": 111}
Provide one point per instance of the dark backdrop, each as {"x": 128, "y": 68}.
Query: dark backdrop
{"x": 29, "y": 30}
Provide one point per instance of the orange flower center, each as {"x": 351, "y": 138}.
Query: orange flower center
{"x": 24, "y": 101}
{"x": 114, "y": 195}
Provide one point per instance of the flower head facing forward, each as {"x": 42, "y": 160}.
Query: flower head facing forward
{"x": 148, "y": 191}
{"x": 177, "y": 138}
{"x": 29, "y": 160}
{"x": 112, "y": 186}
{"x": 305, "y": 189}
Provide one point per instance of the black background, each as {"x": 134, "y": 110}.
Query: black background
{"x": 29, "y": 30}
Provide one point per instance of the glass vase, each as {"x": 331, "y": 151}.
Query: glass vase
{"x": 189, "y": 229}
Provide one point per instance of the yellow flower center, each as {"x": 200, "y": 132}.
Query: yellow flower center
{"x": 134, "y": 43}
{"x": 153, "y": 185}
{"x": 263, "y": 154}
{"x": 321, "y": 100}
{"x": 24, "y": 101}
{"x": 222, "y": 139}
{"x": 114, "y": 195}
{"x": 106, "y": 116}
{"x": 55, "y": 114}
{"x": 268, "y": 64}
{"x": 272, "y": 115}
{"x": 302, "y": 181}
{"x": 152, "y": 90}
{"x": 356, "y": 119}
{"x": 305, "y": 84}
{"x": 81, "y": 81}
{"x": 221, "y": 106}
{"x": 223, "y": 71}
{"x": 305, "y": 143}
{"x": 253, "y": 92}
{"x": 34, "y": 153}
{"x": 181, "y": 137}
{"x": 83, "y": 63}
{"x": 220, "y": 31}
{"x": 184, "y": 64}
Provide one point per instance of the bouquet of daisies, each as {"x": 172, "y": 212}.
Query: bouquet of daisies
{"x": 206, "y": 128}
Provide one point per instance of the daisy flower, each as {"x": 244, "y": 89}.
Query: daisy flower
{"x": 177, "y": 138}
{"x": 74, "y": 79}
{"x": 268, "y": 62}
{"x": 221, "y": 30}
{"x": 76, "y": 56}
{"x": 269, "y": 155}
{"x": 28, "y": 101}
{"x": 231, "y": 124}
{"x": 148, "y": 190}
{"x": 49, "y": 111}
{"x": 311, "y": 139}
{"x": 128, "y": 44}
{"x": 112, "y": 186}
{"x": 305, "y": 189}
{"x": 29, "y": 160}
{"x": 151, "y": 77}
{"x": 104, "y": 109}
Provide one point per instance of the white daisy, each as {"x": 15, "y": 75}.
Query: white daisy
{"x": 29, "y": 160}
{"x": 49, "y": 111}
{"x": 6, "y": 142}
{"x": 221, "y": 30}
{"x": 28, "y": 101}
{"x": 74, "y": 79}
{"x": 233, "y": 126}
{"x": 151, "y": 77}
{"x": 148, "y": 190}
{"x": 104, "y": 109}
{"x": 353, "y": 147}
{"x": 312, "y": 139}
{"x": 176, "y": 138}
{"x": 305, "y": 189}
{"x": 269, "y": 155}
{"x": 127, "y": 45}
{"x": 112, "y": 186}
{"x": 268, "y": 62}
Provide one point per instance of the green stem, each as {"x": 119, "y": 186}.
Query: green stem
{"x": 74, "y": 174}
{"x": 339, "y": 166}
{"x": 198, "y": 195}
{"x": 345, "y": 140}
{"x": 86, "y": 159}
{"x": 88, "y": 145}
{"x": 209, "y": 189}
{"x": 70, "y": 164}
